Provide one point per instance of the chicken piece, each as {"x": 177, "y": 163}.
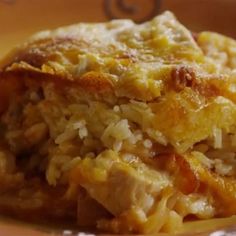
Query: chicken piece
{"x": 117, "y": 185}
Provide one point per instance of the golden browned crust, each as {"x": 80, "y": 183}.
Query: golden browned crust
{"x": 123, "y": 103}
{"x": 117, "y": 56}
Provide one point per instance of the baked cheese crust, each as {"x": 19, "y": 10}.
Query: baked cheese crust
{"x": 132, "y": 124}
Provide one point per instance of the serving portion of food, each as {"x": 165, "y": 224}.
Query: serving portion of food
{"x": 123, "y": 127}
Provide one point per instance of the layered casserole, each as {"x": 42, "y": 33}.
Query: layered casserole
{"x": 123, "y": 127}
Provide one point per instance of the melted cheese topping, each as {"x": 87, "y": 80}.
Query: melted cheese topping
{"x": 141, "y": 116}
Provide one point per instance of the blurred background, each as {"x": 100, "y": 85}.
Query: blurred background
{"x": 21, "y": 18}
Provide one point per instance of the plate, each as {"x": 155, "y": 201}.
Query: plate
{"x": 21, "y": 18}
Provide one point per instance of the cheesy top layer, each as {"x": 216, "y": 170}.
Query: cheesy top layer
{"x": 135, "y": 61}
